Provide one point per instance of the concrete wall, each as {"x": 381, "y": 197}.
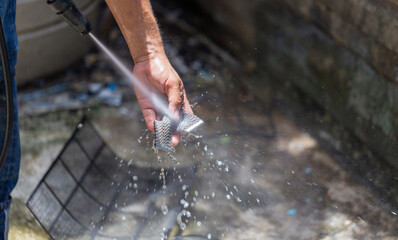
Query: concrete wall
{"x": 342, "y": 53}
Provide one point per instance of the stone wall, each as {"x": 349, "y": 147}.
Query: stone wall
{"x": 341, "y": 53}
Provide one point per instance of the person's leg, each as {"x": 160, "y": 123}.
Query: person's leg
{"x": 10, "y": 171}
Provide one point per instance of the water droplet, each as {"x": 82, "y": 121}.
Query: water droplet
{"x": 228, "y": 196}
{"x": 135, "y": 178}
{"x": 184, "y": 203}
{"x": 394, "y": 213}
{"x": 80, "y": 125}
{"x": 164, "y": 209}
{"x": 188, "y": 214}
{"x": 199, "y": 223}
{"x": 213, "y": 194}
{"x": 184, "y": 187}
{"x": 183, "y": 226}
{"x": 209, "y": 236}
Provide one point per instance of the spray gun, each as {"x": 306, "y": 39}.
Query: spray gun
{"x": 67, "y": 10}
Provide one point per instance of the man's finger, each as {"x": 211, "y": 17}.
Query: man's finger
{"x": 149, "y": 117}
{"x": 148, "y": 111}
{"x": 175, "y": 139}
{"x": 174, "y": 97}
{"x": 187, "y": 106}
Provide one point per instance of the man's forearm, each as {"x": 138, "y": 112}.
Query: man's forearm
{"x": 152, "y": 67}
{"x": 139, "y": 27}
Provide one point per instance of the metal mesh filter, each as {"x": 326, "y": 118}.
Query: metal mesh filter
{"x": 165, "y": 127}
{"x": 163, "y": 135}
{"x": 91, "y": 193}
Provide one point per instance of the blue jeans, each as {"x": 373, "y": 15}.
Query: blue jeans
{"x": 9, "y": 173}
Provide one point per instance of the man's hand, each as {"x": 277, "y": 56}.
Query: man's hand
{"x": 152, "y": 68}
{"x": 156, "y": 73}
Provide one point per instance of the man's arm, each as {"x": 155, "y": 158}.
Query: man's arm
{"x": 139, "y": 27}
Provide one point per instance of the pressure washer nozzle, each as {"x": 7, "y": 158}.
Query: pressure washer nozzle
{"x": 67, "y": 10}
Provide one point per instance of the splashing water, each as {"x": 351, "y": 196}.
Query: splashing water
{"x": 160, "y": 105}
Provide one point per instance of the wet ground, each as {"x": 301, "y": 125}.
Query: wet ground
{"x": 262, "y": 175}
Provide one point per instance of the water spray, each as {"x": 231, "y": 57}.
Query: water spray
{"x": 131, "y": 79}
{"x": 67, "y": 10}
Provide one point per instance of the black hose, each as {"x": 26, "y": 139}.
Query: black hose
{"x": 9, "y": 97}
